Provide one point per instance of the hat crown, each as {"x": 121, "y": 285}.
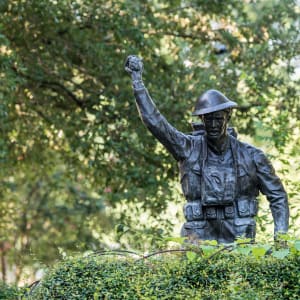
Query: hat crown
{"x": 211, "y": 101}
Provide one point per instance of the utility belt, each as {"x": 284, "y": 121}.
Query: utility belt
{"x": 242, "y": 208}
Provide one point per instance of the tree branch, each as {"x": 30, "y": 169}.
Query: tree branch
{"x": 56, "y": 86}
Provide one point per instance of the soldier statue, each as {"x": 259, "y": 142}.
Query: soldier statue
{"x": 221, "y": 177}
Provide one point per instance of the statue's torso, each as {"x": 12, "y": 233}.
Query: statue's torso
{"x": 221, "y": 191}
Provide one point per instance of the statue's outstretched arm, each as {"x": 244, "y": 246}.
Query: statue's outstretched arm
{"x": 177, "y": 143}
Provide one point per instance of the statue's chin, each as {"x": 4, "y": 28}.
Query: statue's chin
{"x": 214, "y": 137}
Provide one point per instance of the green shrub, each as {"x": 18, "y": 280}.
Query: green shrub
{"x": 9, "y": 292}
{"x": 173, "y": 276}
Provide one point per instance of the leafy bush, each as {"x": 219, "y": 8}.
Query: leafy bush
{"x": 9, "y": 292}
{"x": 177, "y": 275}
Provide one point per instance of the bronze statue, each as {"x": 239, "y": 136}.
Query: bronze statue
{"x": 221, "y": 177}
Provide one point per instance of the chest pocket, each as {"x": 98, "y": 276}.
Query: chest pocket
{"x": 191, "y": 182}
{"x": 218, "y": 185}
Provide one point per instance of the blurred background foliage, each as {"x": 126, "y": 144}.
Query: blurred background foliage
{"x": 78, "y": 169}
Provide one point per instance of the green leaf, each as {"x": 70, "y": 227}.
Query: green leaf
{"x": 243, "y": 250}
{"x": 283, "y": 236}
{"x": 208, "y": 250}
{"x": 243, "y": 240}
{"x": 282, "y": 253}
{"x": 211, "y": 242}
{"x": 297, "y": 245}
{"x": 259, "y": 251}
{"x": 179, "y": 240}
{"x": 191, "y": 256}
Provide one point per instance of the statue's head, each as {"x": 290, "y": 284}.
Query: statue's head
{"x": 214, "y": 109}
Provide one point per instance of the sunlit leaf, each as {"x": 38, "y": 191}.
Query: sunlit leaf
{"x": 179, "y": 240}
{"x": 191, "y": 256}
{"x": 297, "y": 245}
{"x": 258, "y": 251}
{"x": 282, "y": 253}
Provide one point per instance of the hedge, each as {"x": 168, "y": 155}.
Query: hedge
{"x": 173, "y": 276}
{"x": 8, "y": 292}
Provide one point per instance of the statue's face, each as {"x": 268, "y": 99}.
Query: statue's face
{"x": 215, "y": 124}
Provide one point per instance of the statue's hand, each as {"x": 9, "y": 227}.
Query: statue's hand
{"x": 134, "y": 66}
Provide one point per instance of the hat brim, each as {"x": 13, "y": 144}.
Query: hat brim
{"x": 229, "y": 104}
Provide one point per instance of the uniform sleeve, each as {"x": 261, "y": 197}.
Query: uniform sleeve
{"x": 177, "y": 143}
{"x": 271, "y": 186}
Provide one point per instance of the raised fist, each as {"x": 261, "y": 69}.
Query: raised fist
{"x": 133, "y": 64}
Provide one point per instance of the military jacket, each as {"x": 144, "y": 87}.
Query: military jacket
{"x": 252, "y": 170}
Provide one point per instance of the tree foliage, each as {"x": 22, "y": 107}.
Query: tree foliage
{"x": 72, "y": 145}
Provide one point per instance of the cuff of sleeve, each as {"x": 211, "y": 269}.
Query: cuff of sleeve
{"x": 138, "y": 85}
{"x": 139, "y": 90}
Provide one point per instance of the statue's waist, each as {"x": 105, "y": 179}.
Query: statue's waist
{"x": 243, "y": 207}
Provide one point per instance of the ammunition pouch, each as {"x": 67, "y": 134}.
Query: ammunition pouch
{"x": 245, "y": 227}
{"x": 193, "y": 211}
{"x": 219, "y": 212}
{"x": 229, "y": 212}
{"x": 195, "y": 230}
{"x": 242, "y": 208}
{"x": 247, "y": 207}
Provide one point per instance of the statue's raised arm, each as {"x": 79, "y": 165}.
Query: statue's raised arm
{"x": 177, "y": 143}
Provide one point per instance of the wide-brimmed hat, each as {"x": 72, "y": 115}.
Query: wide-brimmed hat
{"x": 211, "y": 101}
